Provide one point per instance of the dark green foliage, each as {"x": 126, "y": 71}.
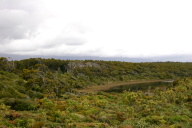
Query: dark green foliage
{"x": 34, "y": 94}
{"x": 11, "y": 86}
{"x": 19, "y": 104}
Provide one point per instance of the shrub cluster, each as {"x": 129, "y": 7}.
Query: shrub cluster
{"x": 169, "y": 108}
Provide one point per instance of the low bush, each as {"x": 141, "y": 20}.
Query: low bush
{"x": 20, "y": 104}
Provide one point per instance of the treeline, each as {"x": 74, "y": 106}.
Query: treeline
{"x": 115, "y": 69}
{"x": 55, "y": 77}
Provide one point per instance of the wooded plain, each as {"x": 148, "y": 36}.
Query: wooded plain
{"x": 38, "y": 92}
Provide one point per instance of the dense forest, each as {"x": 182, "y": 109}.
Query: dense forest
{"x": 38, "y": 92}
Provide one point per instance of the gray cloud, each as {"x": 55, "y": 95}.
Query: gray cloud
{"x": 19, "y": 18}
{"x": 11, "y": 24}
{"x": 20, "y": 22}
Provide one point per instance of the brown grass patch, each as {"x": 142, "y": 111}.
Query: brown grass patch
{"x": 97, "y": 88}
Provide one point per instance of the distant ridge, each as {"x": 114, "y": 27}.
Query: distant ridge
{"x": 125, "y": 59}
{"x": 174, "y": 58}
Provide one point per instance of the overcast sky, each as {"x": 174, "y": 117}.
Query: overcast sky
{"x": 107, "y": 28}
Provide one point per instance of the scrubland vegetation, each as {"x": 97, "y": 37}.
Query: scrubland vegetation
{"x": 36, "y": 93}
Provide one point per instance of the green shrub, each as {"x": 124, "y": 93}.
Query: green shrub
{"x": 20, "y": 122}
{"x": 35, "y": 94}
{"x": 20, "y": 104}
{"x": 38, "y": 124}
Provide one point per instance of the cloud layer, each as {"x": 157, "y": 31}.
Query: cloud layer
{"x": 29, "y": 27}
{"x": 96, "y": 28}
